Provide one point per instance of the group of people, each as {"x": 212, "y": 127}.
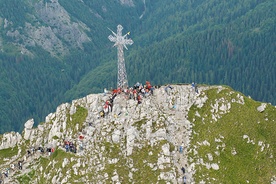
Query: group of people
{"x": 5, "y": 172}
{"x": 137, "y": 92}
{"x": 184, "y": 177}
{"x": 40, "y": 149}
{"x": 12, "y": 167}
{"x": 108, "y": 106}
{"x": 70, "y": 146}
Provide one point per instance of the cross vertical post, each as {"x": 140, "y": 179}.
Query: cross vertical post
{"x": 120, "y": 43}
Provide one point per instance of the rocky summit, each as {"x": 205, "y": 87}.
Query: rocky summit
{"x": 156, "y": 141}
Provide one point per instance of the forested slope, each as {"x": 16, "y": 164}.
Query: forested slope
{"x": 214, "y": 42}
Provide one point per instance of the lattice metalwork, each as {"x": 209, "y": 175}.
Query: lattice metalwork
{"x": 120, "y": 43}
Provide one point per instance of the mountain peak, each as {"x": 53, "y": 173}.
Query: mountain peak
{"x": 158, "y": 140}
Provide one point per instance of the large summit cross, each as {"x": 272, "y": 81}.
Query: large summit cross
{"x": 120, "y": 42}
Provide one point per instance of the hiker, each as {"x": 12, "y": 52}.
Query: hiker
{"x": 105, "y": 91}
{"x": 142, "y": 91}
{"x": 41, "y": 149}
{"x": 66, "y": 147}
{"x": 6, "y": 173}
{"x": 80, "y": 146}
{"x": 181, "y": 148}
{"x": 101, "y": 114}
{"x": 135, "y": 94}
{"x": 196, "y": 90}
{"x": 183, "y": 170}
{"x": 33, "y": 150}
{"x": 110, "y": 104}
{"x": 113, "y": 96}
{"x": 184, "y": 180}
{"x": 149, "y": 87}
{"x": 12, "y": 167}
{"x": 193, "y": 85}
{"x": 131, "y": 93}
{"x": 20, "y": 165}
{"x": 119, "y": 90}
{"x": 49, "y": 151}
{"x": 137, "y": 85}
{"x": 71, "y": 147}
{"x": 29, "y": 153}
{"x": 114, "y": 91}
{"x": 139, "y": 99}
{"x": 105, "y": 109}
{"x": 167, "y": 88}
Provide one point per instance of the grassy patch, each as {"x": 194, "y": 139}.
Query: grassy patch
{"x": 8, "y": 153}
{"x": 55, "y": 137}
{"x": 26, "y": 178}
{"x": 113, "y": 151}
{"x": 139, "y": 124}
{"x": 240, "y": 159}
{"x": 77, "y": 118}
{"x": 57, "y": 157}
{"x": 140, "y": 157}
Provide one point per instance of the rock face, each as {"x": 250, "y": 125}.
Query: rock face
{"x": 28, "y": 129}
{"x": 150, "y": 139}
{"x": 10, "y": 140}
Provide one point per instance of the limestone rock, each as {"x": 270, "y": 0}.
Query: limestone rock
{"x": 10, "y": 140}
{"x": 28, "y": 129}
{"x": 262, "y": 107}
{"x": 215, "y": 166}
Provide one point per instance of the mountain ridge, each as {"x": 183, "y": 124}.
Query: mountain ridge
{"x": 138, "y": 140}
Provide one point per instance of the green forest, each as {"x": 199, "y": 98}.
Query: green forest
{"x": 207, "y": 42}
